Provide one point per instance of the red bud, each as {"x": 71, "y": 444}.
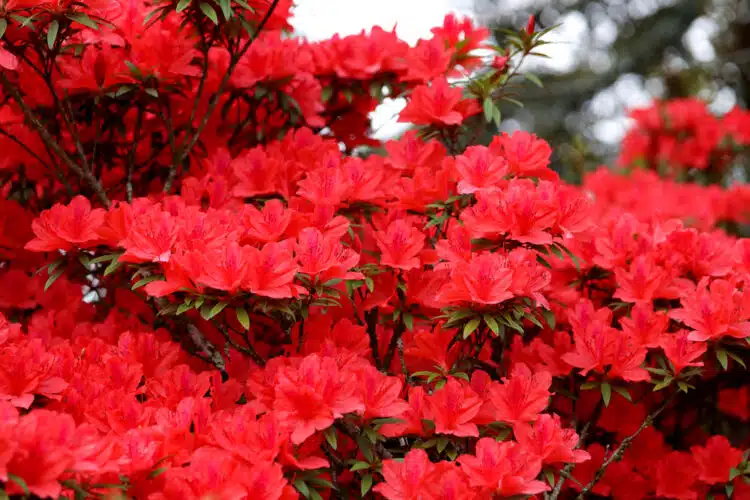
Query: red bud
{"x": 530, "y": 24}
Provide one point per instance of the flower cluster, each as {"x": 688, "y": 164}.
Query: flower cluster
{"x": 682, "y": 134}
{"x": 214, "y": 283}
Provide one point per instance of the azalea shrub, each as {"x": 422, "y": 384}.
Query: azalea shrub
{"x": 214, "y": 283}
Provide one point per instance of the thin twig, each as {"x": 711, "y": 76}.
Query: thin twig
{"x": 214, "y": 101}
{"x": 624, "y": 445}
{"x": 132, "y": 153}
{"x": 566, "y": 471}
{"x": 44, "y": 134}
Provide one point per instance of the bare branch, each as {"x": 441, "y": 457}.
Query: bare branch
{"x": 624, "y": 445}
{"x": 214, "y": 101}
{"x": 47, "y": 138}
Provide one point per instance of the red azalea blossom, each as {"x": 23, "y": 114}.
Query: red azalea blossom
{"x": 217, "y": 282}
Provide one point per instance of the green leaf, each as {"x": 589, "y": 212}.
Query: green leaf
{"x": 147, "y": 280}
{"x": 366, "y": 484}
{"x": 52, "y": 30}
{"x": 153, "y": 93}
{"x": 557, "y": 252}
{"x": 471, "y": 326}
{"x": 302, "y": 487}
{"x": 103, "y": 258}
{"x": 243, "y": 317}
{"x": 208, "y": 312}
{"x": 409, "y": 321}
{"x": 442, "y": 443}
{"x": 683, "y": 386}
{"x": 365, "y": 447}
{"x": 226, "y": 9}
{"x": 496, "y": 117}
{"x": 185, "y": 306}
{"x": 738, "y": 359}
{"x": 3, "y": 26}
{"x": 53, "y": 277}
{"x": 389, "y": 420}
{"x": 113, "y": 266}
{"x": 534, "y": 79}
{"x": 20, "y": 482}
{"x": 326, "y": 93}
{"x": 606, "y": 392}
{"x": 513, "y": 101}
{"x": 664, "y": 383}
{"x": 359, "y": 465}
{"x": 84, "y": 19}
{"x": 549, "y": 317}
{"x": 721, "y": 355}
{"x": 533, "y": 319}
{"x": 512, "y": 323}
{"x": 489, "y": 109}
{"x": 209, "y": 12}
{"x": 492, "y": 324}
{"x": 549, "y": 475}
{"x": 733, "y": 473}
{"x": 182, "y": 5}
{"x": 622, "y": 391}
{"x": 330, "y": 435}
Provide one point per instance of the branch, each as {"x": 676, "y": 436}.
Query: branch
{"x": 566, "y": 471}
{"x": 214, "y": 101}
{"x": 83, "y": 173}
{"x": 624, "y": 445}
{"x": 132, "y": 154}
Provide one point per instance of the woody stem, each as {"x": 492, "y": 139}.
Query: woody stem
{"x": 624, "y": 445}
{"x": 214, "y": 101}
{"x": 83, "y": 173}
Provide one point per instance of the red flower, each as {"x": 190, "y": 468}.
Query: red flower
{"x": 549, "y": 441}
{"x": 644, "y": 325}
{"x": 380, "y": 393}
{"x": 406, "y": 480}
{"x": 716, "y": 459}
{"x": 150, "y": 238}
{"x": 453, "y": 407}
{"x": 44, "y": 451}
{"x": 268, "y": 224}
{"x": 505, "y": 469}
{"x": 311, "y": 395}
{"x": 226, "y": 268}
{"x": 643, "y": 282}
{"x": 714, "y": 311}
{"x": 439, "y": 104}
{"x": 64, "y": 227}
{"x": 601, "y": 348}
{"x": 400, "y": 245}
{"x": 527, "y": 155}
{"x": 479, "y": 170}
{"x": 411, "y": 418}
{"x": 324, "y": 257}
{"x": 681, "y": 351}
{"x": 486, "y": 279}
{"x": 28, "y": 370}
{"x": 522, "y": 396}
{"x": 676, "y": 476}
{"x": 271, "y": 271}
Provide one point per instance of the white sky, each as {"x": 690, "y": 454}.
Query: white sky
{"x": 319, "y": 19}
{"x": 413, "y": 19}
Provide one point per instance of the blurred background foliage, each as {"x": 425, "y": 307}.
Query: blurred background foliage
{"x": 609, "y": 56}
